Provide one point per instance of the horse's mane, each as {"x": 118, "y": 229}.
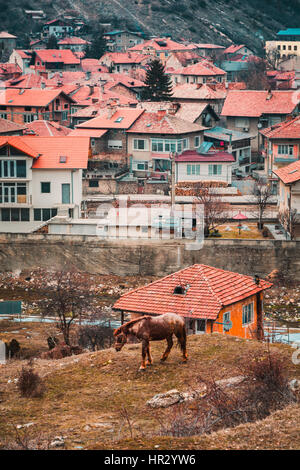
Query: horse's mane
{"x": 125, "y": 326}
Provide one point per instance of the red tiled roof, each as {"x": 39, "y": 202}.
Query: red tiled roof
{"x": 46, "y": 151}
{"x": 194, "y": 156}
{"x": 284, "y": 130}
{"x": 290, "y": 173}
{"x": 204, "y": 67}
{"x": 24, "y": 54}
{"x": 30, "y": 80}
{"x": 9, "y": 126}
{"x": 124, "y": 57}
{"x": 128, "y": 115}
{"x": 73, "y": 40}
{"x": 198, "y": 91}
{"x": 160, "y": 44}
{"x": 159, "y": 123}
{"x": 253, "y": 103}
{"x": 46, "y": 129}
{"x": 6, "y": 35}
{"x": 65, "y": 56}
{"x": 233, "y": 48}
{"x": 210, "y": 289}
{"x": 7, "y": 68}
{"x": 97, "y": 133}
{"x": 93, "y": 65}
{"x": 29, "y": 97}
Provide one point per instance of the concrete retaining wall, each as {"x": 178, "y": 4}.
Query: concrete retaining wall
{"x": 89, "y": 254}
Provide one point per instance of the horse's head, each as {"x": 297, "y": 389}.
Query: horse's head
{"x": 120, "y": 340}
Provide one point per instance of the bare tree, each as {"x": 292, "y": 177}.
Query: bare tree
{"x": 67, "y": 296}
{"x": 289, "y": 218}
{"x": 215, "y": 210}
{"x": 255, "y": 76}
{"x": 273, "y": 58}
{"x": 262, "y": 193}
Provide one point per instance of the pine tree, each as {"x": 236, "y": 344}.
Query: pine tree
{"x": 97, "y": 48}
{"x": 52, "y": 42}
{"x": 159, "y": 85}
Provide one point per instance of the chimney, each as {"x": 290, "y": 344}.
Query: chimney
{"x": 198, "y": 85}
{"x": 269, "y": 95}
{"x": 173, "y": 108}
{"x": 87, "y": 75}
{"x": 161, "y": 114}
{"x": 92, "y": 89}
{"x": 43, "y": 85}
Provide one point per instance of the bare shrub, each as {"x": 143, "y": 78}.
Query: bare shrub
{"x": 30, "y": 383}
{"x": 95, "y": 337}
{"x": 264, "y": 390}
{"x": 25, "y": 439}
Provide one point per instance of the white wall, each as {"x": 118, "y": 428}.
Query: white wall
{"x": 181, "y": 172}
{"x": 56, "y": 178}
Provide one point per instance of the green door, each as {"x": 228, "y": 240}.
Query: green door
{"x": 65, "y": 188}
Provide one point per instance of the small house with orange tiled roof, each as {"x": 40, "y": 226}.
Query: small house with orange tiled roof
{"x": 208, "y": 298}
{"x": 40, "y": 176}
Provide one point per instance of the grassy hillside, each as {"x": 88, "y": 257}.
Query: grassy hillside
{"x": 98, "y": 400}
{"x": 221, "y": 21}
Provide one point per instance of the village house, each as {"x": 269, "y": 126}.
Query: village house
{"x": 289, "y": 197}
{"x": 202, "y": 72}
{"x": 212, "y": 51}
{"x": 204, "y": 164}
{"x": 58, "y": 28}
{"x": 26, "y": 105}
{"x": 202, "y": 114}
{"x": 120, "y": 41}
{"x": 21, "y": 58}
{"x": 208, "y": 298}
{"x": 252, "y": 110}
{"x": 38, "y": 44}
{"x": 155, "y": 136}
{"x": 8, "y": 43}
{"x": 280, "y": 146}
{"x": 235, "y": 142}
{"x": 159, "y": 48}
{"x": 40, "y": 176}
{"x": 123, "y": 62}
{"x": 9, "y": 71}
{"x": 233, "y": 50}
{"x": 210, "y": 93}
{"x": 181, "y": 59}
{"x": 49, "y": 60}
{"x": 73, "y": 43}
{"x": 286, "y": 44}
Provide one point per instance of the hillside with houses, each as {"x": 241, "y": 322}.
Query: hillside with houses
{"x": 149, "y": 194}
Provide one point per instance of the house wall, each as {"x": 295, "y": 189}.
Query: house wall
{"x": 284, "y": 48}
{"x": 57, "y": 178}
{"x": 180, "y": 79}
{"x": 231, "y": 124}
{"x": 236, "y": 316}
{"x": 182, "y": 174}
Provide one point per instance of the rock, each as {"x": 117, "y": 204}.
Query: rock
{"x": 87, "y": 428}
{"x": 294, "y": 385}
{"x": 163, "y": 400}
{"x": 58, "y": 441}
{"x": 28, "y": 425}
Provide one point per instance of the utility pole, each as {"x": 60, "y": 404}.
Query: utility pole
{"x": 172, "y": 158}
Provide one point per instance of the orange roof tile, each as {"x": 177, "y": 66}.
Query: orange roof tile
{"x": 254, "y": 103}
{"x": 28, "y": 97}
{"x": 160, "y": 44}
{"x": 65, "y": 56}
{"x": 73, "y": 40}
{"x": 122, "y": 118}
{"x": 46, "y": 151}
{"x": 208, "y": 290}
{"x": 159, "y": 123}
{"x": 284, "y": 130}
{"x": 46, "y": 129}
{"x": 198, "y": 91}
{"x": 290, "y": 173}
{"x": 97, "y": 133}
{"x": 201, "y": 68}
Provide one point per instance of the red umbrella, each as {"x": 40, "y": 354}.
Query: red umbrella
{"x": 240, "y": 216}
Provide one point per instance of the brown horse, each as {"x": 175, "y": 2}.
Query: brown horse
{"x": 149, "y": 328}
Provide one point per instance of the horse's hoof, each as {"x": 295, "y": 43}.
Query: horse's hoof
{"x": 142, "y": 369}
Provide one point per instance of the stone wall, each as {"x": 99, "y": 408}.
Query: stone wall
{"x": 157, "y": 257}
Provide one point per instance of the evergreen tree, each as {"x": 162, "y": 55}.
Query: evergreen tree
{"x": 97, "y": 48}
{"x": 52, "y": 42}
{"x": 159, "y": 83}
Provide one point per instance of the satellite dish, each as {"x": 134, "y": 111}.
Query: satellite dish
{"x": 227, "y": 325}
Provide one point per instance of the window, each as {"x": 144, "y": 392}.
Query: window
{"x": 140, "y": 165}
{"x": 64, "y": 116}
{"x": 193, "y": 169}
{"x": 241, "y": 122}
{"x": 197, "y": 141}
{"x": 140, "y": 144}
{"x": 93, "y": 183}
{"x": 115, "y": 144}
{"x": 3, "y": 115}
{"x": 286, "y": 150}
{"x": 12, "y": 168}
{"x": 15, "y": 215}
{"x": 45, "y": 187}
{"x": 93, "y": 142}
{"x": 44, "y": 214}
{"x": 214, "y": 170}
{"x": 169, "y": 145}
{"x": 29, "y": 118}
{"x": 248, "y": 314}
{"x": 13, "y": 192}
{"x": 226, "y": 318}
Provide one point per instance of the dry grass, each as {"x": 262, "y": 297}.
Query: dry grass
{"x": 252, "y": 233}
{"x": 98, "y": 400}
